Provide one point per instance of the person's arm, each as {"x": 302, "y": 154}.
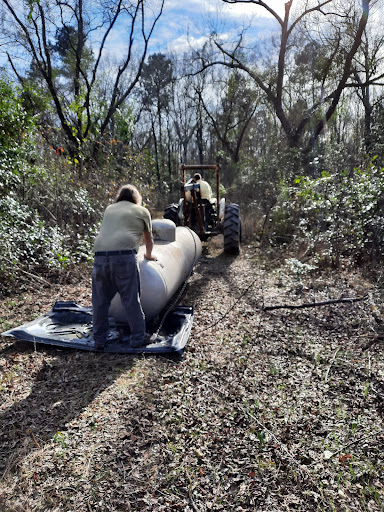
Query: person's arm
{"x": 148, "y": 240}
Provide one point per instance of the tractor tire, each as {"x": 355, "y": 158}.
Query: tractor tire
{"x": 171, "y": 212}
{"x": 232, "y": 229}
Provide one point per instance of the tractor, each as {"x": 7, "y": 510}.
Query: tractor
{"x": 206, "y": 218}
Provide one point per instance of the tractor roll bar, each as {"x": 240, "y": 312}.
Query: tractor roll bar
{"x": 196, "y": 167}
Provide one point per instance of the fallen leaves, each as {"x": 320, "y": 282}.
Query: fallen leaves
{"x": 265, "y": 411}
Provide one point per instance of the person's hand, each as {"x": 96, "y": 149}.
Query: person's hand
{"x": 150, "y": 258}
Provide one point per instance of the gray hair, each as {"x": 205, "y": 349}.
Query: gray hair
{"x": 129, "y": 193}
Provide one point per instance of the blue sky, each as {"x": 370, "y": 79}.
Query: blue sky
{"x": 196, "y": 18}
{"x": 186, "y": 23}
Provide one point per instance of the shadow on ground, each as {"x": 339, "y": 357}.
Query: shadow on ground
{"x": 66, "y": 382}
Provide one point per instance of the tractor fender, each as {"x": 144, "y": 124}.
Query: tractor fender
{"x": 180, "y": 209}
{"x": 221, "y": 210}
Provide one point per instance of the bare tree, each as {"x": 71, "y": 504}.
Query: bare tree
{"x": 32, "y": 27}
{"x": 230, "y": 119}
{"x": 368, "y": 79}
{"x": 156, "y": 80}
{"x": 275, "y": 84}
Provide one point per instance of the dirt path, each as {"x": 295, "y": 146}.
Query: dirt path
{"x": 266, "y": 411}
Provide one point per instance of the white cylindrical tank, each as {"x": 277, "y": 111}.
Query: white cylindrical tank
{"x": 177, "y": 249}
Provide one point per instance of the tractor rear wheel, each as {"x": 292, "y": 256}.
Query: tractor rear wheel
{"x": 232, "y": 228}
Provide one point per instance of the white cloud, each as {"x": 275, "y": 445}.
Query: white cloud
{"x": 205, "y": 7}
{"x": 241, "y": 10}
{"x": 184, "y": 43}
{"x": 188, "y": 24}
{"x": 180, "y": 28}
{"x": 196, "y": 6}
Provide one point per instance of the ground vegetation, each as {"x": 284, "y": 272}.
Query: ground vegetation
{"x": 266, "y": 410}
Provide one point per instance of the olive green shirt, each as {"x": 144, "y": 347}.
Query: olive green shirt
{"x": 122, "y": 227}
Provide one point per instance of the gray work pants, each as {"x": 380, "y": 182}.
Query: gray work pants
{"x": 111, "y": 274}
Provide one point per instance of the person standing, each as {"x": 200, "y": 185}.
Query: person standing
{"x": 115, "y": 267}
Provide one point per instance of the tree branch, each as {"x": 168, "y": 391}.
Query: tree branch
{"x": 316, "y": 304}
{"x": 117, "y": 99}
{"x": 257, "y": 2}
{"x": 346, "y": 71}
{"x": 307, "y": 11}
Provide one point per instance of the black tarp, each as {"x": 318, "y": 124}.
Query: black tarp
{"x": 70, "y": 325}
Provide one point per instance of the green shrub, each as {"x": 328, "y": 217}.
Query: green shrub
{"x": 46, "y": 216}
{"x": 341, "y": 213}
{"x": 26, "y": 243}
{"x": 15, "y": 122}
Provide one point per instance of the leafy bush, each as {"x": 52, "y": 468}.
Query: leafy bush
{"x": 16, "y": 141}
{"x": 27, "y": 244}
{"x": 46, "y": 216}
{"x": 16, "y": 123}
{"x": 341, "y": 214}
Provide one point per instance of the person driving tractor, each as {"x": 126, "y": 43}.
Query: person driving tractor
{"x": 205, "y": 188}
{"x": 200, "y": 192}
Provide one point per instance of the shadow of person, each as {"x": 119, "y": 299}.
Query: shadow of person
{"x": 65, "y": 384}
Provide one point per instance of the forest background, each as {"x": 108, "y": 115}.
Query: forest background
{"x": 295, "y": 119}
{"x": 268, "y": 409}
